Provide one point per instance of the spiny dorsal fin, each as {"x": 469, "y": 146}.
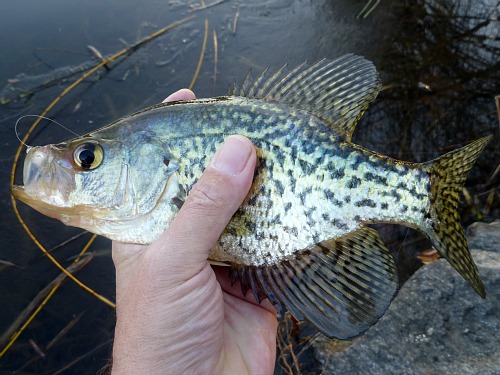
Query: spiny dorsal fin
{"x": 341, "y": 286}
{"x": 338, "y": 91}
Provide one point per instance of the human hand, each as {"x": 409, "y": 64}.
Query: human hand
{"x": 177, "y": 314}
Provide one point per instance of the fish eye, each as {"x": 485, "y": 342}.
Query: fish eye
{"x": 88, "y": 156}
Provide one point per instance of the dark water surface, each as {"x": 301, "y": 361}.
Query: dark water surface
{"x": 439, "y": 62}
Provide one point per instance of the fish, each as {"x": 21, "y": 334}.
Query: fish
{"x": 301, "y": 238}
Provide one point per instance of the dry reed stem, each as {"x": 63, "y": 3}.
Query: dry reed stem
{"x": 235, "y": 22}
{"x": 37, "y": 304}
{"x": 65, "y": 330}
{"x": 215, "y": 57}
{"x": 202, "y": 54}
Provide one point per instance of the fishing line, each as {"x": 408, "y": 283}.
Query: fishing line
{"x": 45, "y": 118}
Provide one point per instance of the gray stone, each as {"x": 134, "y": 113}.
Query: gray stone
{"x": 484, "y": 236}
{"x": 436, "y": 325}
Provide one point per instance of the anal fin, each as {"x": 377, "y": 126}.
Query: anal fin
{"x": 341, "y": 286}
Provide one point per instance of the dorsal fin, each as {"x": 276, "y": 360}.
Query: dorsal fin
{"x": 338, "y": 91}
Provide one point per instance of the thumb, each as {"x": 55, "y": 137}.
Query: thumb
{"x": 208, "y": 208}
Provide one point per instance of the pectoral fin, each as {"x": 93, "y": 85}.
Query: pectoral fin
{"x": 341, "y": 286}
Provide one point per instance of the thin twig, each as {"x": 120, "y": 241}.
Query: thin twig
{"x": 497, "y": 102}
{"x": 202, "y": 54}
{"x": 72, "y": 363}
{"x": 215, "y": 57}
{"x": 13, "y": 332}
{"x": 235, "y": 22}
{"x": 65, "y": 330}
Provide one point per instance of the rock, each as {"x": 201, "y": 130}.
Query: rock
{"x": 484, "y": 236}
{"x": 436, "y": 325}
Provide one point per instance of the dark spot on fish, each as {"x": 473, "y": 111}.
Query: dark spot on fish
{"x": 427, "y": 186}
{"x": 337, "y": 203}
{"x": 390, "y": 167}
{"x": 305, "y": 166}
{"x": 293, "y": 151}
{"x": 279, "y": 187}
{"x": 291, "y": 230}
{"x": 166, "y": 161}
{"x": 377, "y": 178}
{"x": 404, "y": 208}
{"x": 288, "y": 206}
{"x": 310, "y": 211}
{"x": 356, "y": 161}
{"x": 339, "y": 224}
{"x": 329, "y": 195}
{"x": 384, "y": 206}
{"x": 231, "y": 230}
{"x": 276, "y": 220}
{"x": 357, "y": 218}
{"x": 414, "y": 208}
{"x": 365, "y": 203}
{"x": 338, "y": 173}
{"x": 353, "y": 183}
{"x": 252, "y": 200}
{"x": 249, "y": 225}
{"x": 259, "y": 235}
{"x": 325, "y": 217}
{"x": 178, "y": 201}
{"x": 396, "y": 195}
{"x": 302, "y": 197}
{"x": 292, "y": 178}
{"x": 401, "y": 185}
{"x": 347, "y": 199}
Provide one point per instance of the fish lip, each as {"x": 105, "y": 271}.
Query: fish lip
{"x": 19, "y": 192}
{"x": 69, "y": 215}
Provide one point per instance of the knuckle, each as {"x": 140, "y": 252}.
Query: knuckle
{"x": 208, "y": 194}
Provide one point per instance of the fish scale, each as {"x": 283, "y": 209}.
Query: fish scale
{"x": 300, "y": 238}
{"x": 307, "y": 168}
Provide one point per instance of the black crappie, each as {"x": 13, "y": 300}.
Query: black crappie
{"x": 299, "y": 238}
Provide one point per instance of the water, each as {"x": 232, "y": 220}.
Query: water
{"x": 438, "y": 62}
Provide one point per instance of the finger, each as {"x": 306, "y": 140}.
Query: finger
{"x": 208, "y": 208}
{"x": 182, "y": 94}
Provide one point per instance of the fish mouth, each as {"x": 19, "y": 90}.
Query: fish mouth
{"x": 56, "y": 212}
{"x": 69, "y": 215}
{"x": 47, "y": 183}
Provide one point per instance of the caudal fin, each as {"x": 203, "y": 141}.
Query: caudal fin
{"x": 448, "y": 174}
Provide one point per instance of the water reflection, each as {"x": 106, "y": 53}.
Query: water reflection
{"x": 440, "y": 75}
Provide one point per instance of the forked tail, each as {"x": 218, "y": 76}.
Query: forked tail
{"x": 448, "y": 174}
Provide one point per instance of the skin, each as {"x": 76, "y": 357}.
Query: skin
{"x": 176, "y": 313}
